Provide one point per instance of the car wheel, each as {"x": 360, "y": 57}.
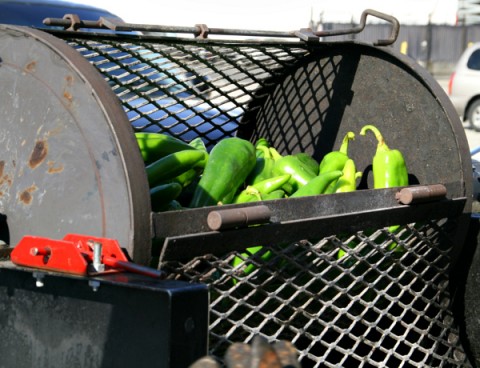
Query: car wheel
{"x": 473, "y": 115}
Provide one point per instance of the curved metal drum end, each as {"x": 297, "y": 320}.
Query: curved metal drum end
{"x": 69, "y": 161}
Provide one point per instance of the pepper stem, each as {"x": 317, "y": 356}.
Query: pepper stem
{"x": 275, "y": 154}
{"x": 265, "y": 150}
{"x": 348, "y": 137}
{"x": 378, "y": 135}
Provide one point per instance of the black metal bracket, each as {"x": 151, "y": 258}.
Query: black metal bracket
{"x": 72, "y": 22}
{"x": 298, "y": 218}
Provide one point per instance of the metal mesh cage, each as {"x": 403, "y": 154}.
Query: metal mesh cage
{"x": 384, "y": 302}
{"x": 184, "y": 89}
{"x": 372, "y": 298}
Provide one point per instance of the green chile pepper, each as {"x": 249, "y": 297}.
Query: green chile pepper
{"x": 314, "y": 187}
{"x": 318, "y": 184}
{"x": 389, "y": 168}
{"x": 154, "y": 146}
{"x": 348, "y": 181}
{"x": 186, "y": 178}
{"x": 276, "y": 194}
{"x": 198, "y": 143}
{"x": 263, "y": 166}
{"x": 275, "y": 154}
{"x": 249, "y": 194}
{"x": 336, "y": 160}
{"x": 262, "y": 142}
{"x": 271, "y": 184}
{"x": 300, "y": 173}
{"x": 163, "y": 194}
{"x": 172, "y": 165}
{"x": 309, "y": 161}
{"x": 249, "y": 268}
{"x": 230, "y": 162}
{"x": 256, "y": 192}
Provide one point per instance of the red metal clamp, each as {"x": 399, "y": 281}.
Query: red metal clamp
{"x": 76, "y": 254}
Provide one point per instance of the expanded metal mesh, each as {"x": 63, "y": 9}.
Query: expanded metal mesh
{"x": 186, "y": 90}
{"x": 376, "y": 298}
{"x": 365, "y": 300}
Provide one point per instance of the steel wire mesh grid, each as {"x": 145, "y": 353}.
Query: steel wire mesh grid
{"x": 187, "y": 90}
{"x": 377, "y": 299}
{"x": 370, "y": 299}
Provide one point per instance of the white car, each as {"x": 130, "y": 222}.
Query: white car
{"x": 464, "y": 86}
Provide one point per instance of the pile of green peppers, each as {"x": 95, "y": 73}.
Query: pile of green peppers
{"x": 184, "y": 175}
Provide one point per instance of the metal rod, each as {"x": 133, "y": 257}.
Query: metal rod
{"x": 424, "y": 193}
{"x": 201, "y": 31}
{"x": 238, "y": 217}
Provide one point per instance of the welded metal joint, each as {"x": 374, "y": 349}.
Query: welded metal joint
{"x": 307, "y": 35}
{"x": 201, "y": 31}
{"x": 75, "y": 22}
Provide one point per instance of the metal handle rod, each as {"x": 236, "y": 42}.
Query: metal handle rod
{"x": 133, "y": 267}
{"x": 363, "y": 21}
{"x": 420, "y": 194}
{"x": 242, "y": 217}
{"x": 201, "y": 31}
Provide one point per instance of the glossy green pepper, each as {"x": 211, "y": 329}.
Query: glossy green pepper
{"x": 271, "y": 184}
{"x": 389, "y": 170}
{"x": 230, "y": 162}
{"x": 309, "y": 161}
{"x": 388, "y": 165}
{"x": 257, "y": 191}
{"x": 336, "y": 160}
{"x": 266, "y": 189}
{"x": 262, "y": 142}
{"x": 318, "y": 184}
{"x": 173, "y": 165}
{"x": 163, "y": 194}
{"x": 249, "y": 194}
{"x": 275, "y": 154}
{"x": 300, "y": 172}
{"x": 276, "y": 194}
{"x": 348, "y": 181}
{"x": 263, "y": 166}
{"x": 154, "y": 146}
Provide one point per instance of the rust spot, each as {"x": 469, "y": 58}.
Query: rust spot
{"x": 30, "y": 67}
{"x": 39, "y": 153}
{"x": 26, "y": 196}
{"x": 52, "y": 169}
{"x": 6, "y": 180}
{"x": 69, "y": 79}
{"x": 2, "y": 167}
{"x": 68, "y": 96}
